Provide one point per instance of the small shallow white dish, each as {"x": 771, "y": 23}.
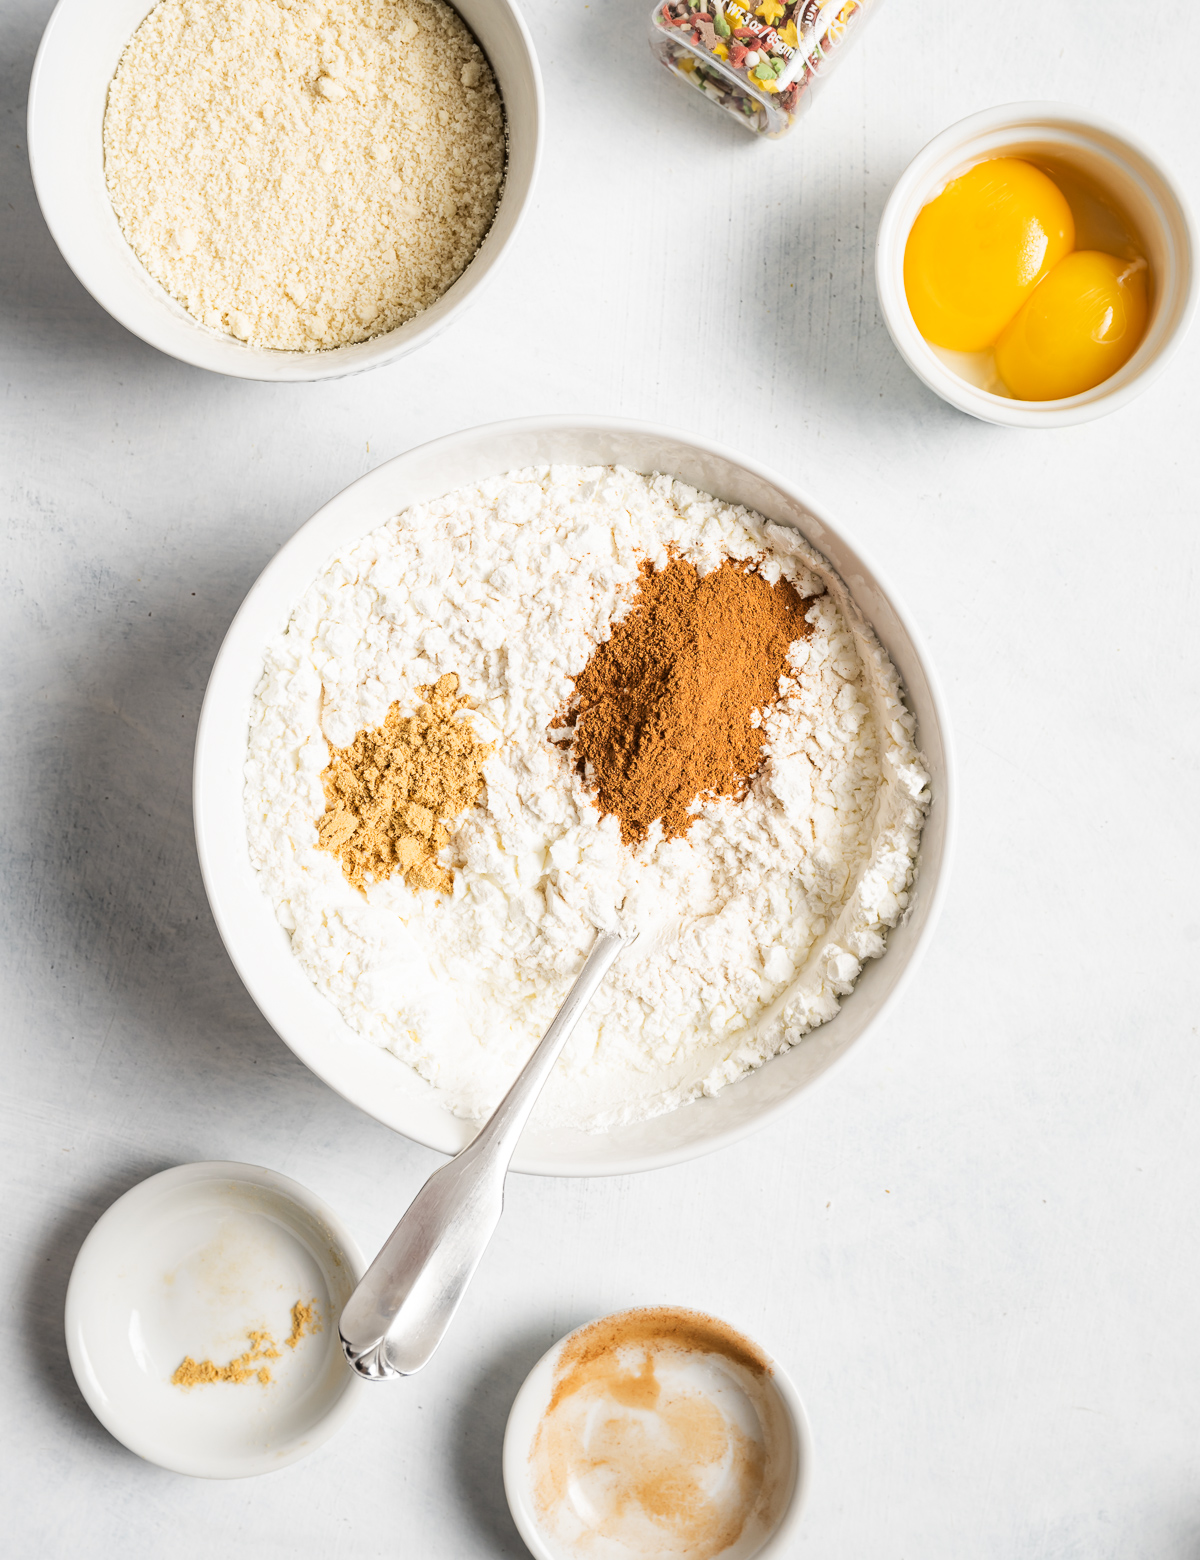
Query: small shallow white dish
{"x": 1110, "y": 158}
{"x": 260, "y": 949}
{"x": 532, "y": 1401}
{"x": 188, "y": 1263}
{"x": 76, "y": 61}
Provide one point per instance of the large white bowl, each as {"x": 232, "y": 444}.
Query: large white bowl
{"x": 259, "y": 947}
{"x": 76, "y": 61}
{"x": 1112, "y": 160}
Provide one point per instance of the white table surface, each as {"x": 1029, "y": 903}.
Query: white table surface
{"x": 975, "y": 1245}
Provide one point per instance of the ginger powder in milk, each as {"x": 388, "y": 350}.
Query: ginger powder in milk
{"x": 664, "y": 1435}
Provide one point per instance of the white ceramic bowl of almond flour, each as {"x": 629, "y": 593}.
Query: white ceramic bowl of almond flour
{"x": 78, "y": 56}
{"x": 260, "y": 948}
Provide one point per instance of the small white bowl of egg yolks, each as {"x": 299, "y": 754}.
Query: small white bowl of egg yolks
{"x": 1108, "y": 259}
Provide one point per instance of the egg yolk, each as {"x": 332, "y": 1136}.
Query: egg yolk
{"x": 978, "y": 249}
{"x": 1076, "y": 328}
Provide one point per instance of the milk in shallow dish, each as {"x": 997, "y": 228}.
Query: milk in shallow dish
{"x": 756, "y": 923}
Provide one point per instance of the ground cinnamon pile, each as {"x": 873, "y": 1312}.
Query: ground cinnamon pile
{"x": 662, "y": 713}
{"x": 390, "y": 793}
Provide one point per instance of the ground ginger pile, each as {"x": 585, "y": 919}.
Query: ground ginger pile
{"x": 247, "y": 1366}
{"x": 390, "y": 794}
{"x": 251, "y": 1364}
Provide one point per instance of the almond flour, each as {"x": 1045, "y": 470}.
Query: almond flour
{"x": 304, "y": 175}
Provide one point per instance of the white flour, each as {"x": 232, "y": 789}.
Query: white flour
{"x": 753, "y": 925}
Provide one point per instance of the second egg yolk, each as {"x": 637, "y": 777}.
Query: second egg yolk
{"x": 978, "y": 249}
{"x": 1076, "y": 329}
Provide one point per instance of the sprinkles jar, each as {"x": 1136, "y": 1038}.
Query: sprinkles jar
{"x": 761, "y": 63}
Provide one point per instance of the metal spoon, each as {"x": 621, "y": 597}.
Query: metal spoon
{"x": 400, "y": 1311}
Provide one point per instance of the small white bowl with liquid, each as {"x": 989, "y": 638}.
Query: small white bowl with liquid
{"x": 1114, "y": 185}
{"x": 657, "y": 1431}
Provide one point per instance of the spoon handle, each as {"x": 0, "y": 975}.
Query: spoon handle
{"x": 400, "y": 1311}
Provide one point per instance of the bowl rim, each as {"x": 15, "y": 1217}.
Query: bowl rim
{"x": 83, "y": 1279}
{"x": 983, "y": 404}
{"x": 528, "y": 1405}
{"x": 287, "y": 367}
{"x": 206, "y": 773}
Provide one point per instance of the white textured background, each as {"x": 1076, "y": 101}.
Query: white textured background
{"x": 976, "y": 1244}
